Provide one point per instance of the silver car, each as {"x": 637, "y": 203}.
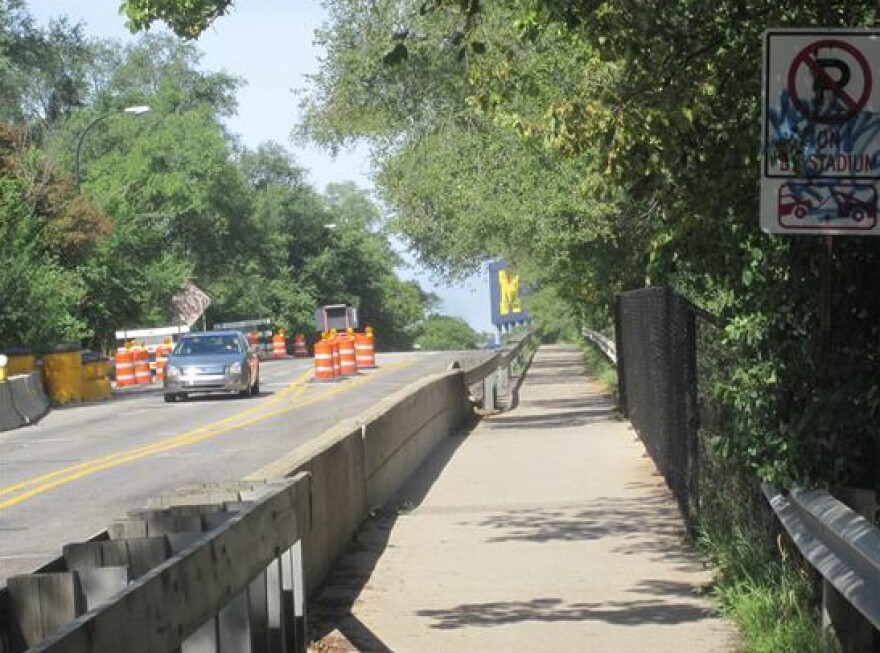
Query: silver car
{"x": 212, "y": 361}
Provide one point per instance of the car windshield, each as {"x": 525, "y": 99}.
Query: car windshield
{"x": 208, "y": 345}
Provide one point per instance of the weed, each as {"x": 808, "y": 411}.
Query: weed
{"x": 604, "y": 370}
{"x": 760, "y": 580}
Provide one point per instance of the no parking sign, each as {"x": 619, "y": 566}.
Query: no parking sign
{"x": 821, "y": 163}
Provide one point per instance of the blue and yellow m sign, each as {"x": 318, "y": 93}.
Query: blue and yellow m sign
{"x": 504, "y": 293}
{"x": 508, "y": 285}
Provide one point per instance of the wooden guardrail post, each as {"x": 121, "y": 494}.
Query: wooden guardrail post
{"x": 186, "y": 576}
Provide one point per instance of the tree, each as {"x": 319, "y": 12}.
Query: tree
{"x": 186, "y": 19}
{"x": 45, "y": 74}
{"x": 357, "y": 266}
{"x": 165, "y": 200}
{"x": 444, "y": 332}
{"x": 47, "y": 232}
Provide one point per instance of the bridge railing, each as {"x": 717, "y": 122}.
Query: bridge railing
{"x": 604, "y": 343}
{"x": 192, "y": 576}
{"x": 844, "y": 547}
{"x": 494, "y": 374}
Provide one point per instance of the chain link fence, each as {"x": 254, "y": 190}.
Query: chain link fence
{"x": 657, "y": 376}
{"x": 669, "y": 358}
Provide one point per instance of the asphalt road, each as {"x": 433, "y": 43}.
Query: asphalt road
{"x": 65, "y": 478}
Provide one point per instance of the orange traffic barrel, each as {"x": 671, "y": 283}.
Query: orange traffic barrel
{"x": 125, "y": 368}
{"x": 299, "y": 346}
{"x": 347, "y": 361}
{"x": 337, "y": 363}
{"x": 142, "y": 366}
{"x": 324, "y": 361}
{"x": 365, "y": 354}
{"x": 162, "y": 352}
{"x": 279, "y": 349}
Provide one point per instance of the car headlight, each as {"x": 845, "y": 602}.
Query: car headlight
{"x": 172, "y": 373}
{"x": 235, "y": 368}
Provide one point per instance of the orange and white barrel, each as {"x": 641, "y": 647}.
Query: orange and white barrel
{"x": 299, "y": 346}
{"x": 142, "y": 366}
{"x": 324, "y": 361}
{"x": 124, "y": 368}
{"x": 279, "y": 348}
{"x": 337, "y": 363}
{"x": 365, "y": 354}
{"x": 162, "y": 352}
{"x": 347, "y": 361}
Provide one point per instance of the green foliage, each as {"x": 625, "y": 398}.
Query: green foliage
{"x": 581, "y": 141}
{"x": 600, "y": 367}
{"x": 45, "y": 74}
{"x": 444, "y": 332}
{"x": 166, "y": 199}
{"x": 32, "y": 282}
{"x": 771, "y": 615}
{"x": 186, "y": 18}
{"x": 553, "y": 316}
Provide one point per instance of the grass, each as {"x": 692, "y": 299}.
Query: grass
{"x": 604, "y": 370}
{"x": 772, "y": 611}
{"x": 761, "y": 583}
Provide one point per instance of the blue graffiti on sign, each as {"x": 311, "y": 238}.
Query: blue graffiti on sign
{"x": 798, "y": 146}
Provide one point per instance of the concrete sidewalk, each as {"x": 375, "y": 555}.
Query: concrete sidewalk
{"x": 544, "y": 529}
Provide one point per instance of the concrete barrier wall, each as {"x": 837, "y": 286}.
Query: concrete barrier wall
{"x": 28, "y": 397}
{"x": 338, "y": 495}
{"x": 22, "y": 401}
{"x": 359, "y": 464}
{"x": 9, "y": 417}
{"x": 407, "y": 429}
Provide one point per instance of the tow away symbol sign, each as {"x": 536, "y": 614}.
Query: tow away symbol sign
{"x": 821, "y": 145}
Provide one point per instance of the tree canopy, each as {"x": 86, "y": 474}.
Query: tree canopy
{"x": 446, "y": 333}
{"x": 164, "y": 199}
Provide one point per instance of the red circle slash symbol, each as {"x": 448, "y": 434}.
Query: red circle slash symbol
{"x": 832, "y": 101}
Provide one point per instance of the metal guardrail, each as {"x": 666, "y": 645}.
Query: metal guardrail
{"x": 212, "y": 569}
{"x": 494, "y": 373}
{"x": 605, "y": 344}
{"x": 500, "y": 360}
{"x": 841, "y": 544}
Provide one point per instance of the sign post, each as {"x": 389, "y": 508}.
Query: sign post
{"x": 821, "y": 163}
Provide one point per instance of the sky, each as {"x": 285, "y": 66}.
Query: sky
{"x": 270, "y": 44}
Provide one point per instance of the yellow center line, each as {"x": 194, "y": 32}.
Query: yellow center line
{"x": 274, "y": 399}
{"x": 70, "y": 474}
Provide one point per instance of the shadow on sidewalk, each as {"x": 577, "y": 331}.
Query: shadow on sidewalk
{"x": 604, "y": 517}
{"x": 564, "y": 419}
{"x": 572, "y": 403}
{"x": 642, "y": 525}
{"x": 625, "y": 613}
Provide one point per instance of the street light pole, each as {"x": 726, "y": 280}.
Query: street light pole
{"x": 138, "y": 110}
